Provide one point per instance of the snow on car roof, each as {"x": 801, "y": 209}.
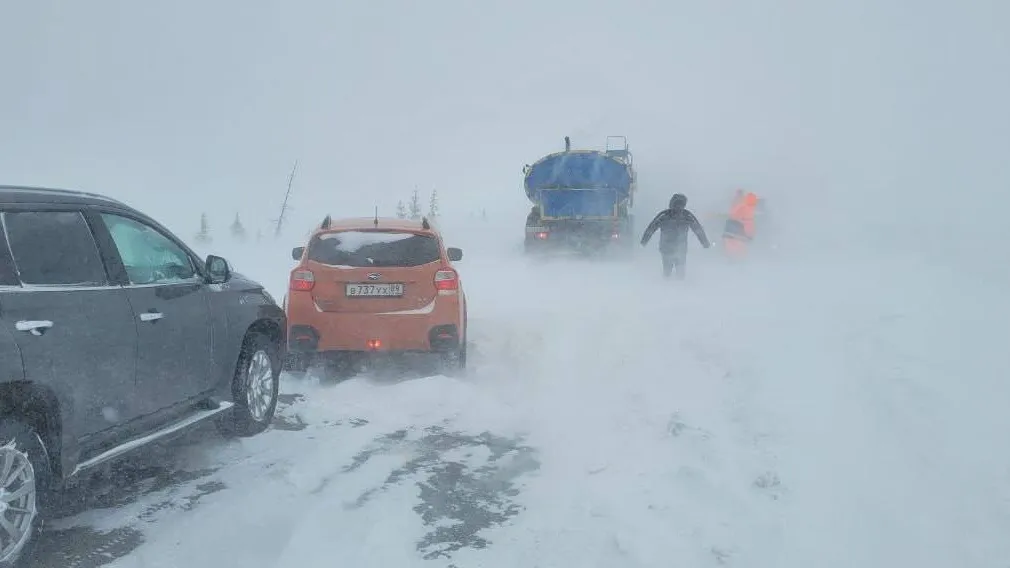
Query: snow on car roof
{"x": 368, "y": 223}
{"x": 351, "y": 241}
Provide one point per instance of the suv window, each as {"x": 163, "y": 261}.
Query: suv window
{"x": 374, "y": 248}
{"x": 148, "y": 256}
{"x": 54, "y": 248}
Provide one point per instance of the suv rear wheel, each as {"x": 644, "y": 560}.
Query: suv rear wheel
{"x": 297, "y": 364}
{"x": 24, "y": 479}
{"x": 255, "y": 387}
{"x": 454, "y": 361}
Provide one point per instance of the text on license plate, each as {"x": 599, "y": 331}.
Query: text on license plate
{"x": 374, "y": 290}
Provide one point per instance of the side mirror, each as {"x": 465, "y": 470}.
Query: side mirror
{"x": 296, "y": 253}
{"x": 218, "y": 269}
{"x": 455, "y": 254}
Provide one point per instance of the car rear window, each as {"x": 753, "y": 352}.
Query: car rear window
{"x": 374, "y": 248}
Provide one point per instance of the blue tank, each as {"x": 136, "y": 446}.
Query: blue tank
{"x": 581, "y": 183}
{"x": 580, "y": 169}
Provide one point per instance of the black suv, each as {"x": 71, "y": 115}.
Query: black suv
{"x": 113, "y": 335}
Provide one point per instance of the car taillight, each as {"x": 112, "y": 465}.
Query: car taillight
{"x": 302, "y": 280}
{"x": 446, "y": 281}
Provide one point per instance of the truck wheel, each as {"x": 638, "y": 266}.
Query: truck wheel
{"x": 255, "y": 388}
{"x": 25, "y": 479}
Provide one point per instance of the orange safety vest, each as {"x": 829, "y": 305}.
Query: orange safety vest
{"x": 741, "y": 218}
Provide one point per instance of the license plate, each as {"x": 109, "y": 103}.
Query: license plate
{"x": 374, "y": 290}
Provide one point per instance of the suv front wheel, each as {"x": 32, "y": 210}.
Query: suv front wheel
{"x": 254, "y": 388}
{"x": 24, "y": 479}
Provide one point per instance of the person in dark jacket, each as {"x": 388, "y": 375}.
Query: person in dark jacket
{"x": 673, "y": 224}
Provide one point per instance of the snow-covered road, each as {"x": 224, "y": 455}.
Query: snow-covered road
{"x": 778, "y": 414}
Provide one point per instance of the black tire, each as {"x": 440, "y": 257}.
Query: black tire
{"x": 25, "y": 447}
{"x": 466, "y": 332}
{"x": 453, "y": 362}
{"x": 297, "y": 364}
{"x": 254, "y": 392}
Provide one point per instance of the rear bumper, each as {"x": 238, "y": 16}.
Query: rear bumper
{"x": 562, "y": 244}
{"x": 596, "y": 235}
{"x": 437, "y": 330}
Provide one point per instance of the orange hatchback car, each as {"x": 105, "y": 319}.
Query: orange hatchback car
{"x": 375, "y": 285}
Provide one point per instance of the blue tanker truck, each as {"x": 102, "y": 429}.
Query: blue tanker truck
{"x": 582, "y": 200}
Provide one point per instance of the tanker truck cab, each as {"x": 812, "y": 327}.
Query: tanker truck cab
{"x": 581, "y": 201}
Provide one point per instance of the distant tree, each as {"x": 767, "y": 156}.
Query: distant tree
{"x": 433, "y": 205}
{"x": 204, "y": 235}
{"x": 259, "y": 235}
{"x": 401, "y": 210}
{"x": 415, "y": 206}
{"x": 237, "y": 229}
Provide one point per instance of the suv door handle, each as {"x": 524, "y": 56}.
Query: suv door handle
{"x": 151, "y": 316}
{"x": 35, "y": 327}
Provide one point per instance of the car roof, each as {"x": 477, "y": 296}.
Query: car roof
{"x": 369, "y": 223}
{"x": 28, "y": 194}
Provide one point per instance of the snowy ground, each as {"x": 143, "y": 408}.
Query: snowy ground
{"x": 782, "y": 413}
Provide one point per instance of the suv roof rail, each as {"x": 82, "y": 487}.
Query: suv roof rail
{"x": 62, "y": 191}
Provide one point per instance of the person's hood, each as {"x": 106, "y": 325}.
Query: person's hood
{"x": 678, "y": 202}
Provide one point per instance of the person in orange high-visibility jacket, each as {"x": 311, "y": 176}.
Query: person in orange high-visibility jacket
{"x": 739, "y": 229}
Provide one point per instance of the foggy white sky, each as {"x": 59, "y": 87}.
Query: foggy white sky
{"x": 184, "y": 106}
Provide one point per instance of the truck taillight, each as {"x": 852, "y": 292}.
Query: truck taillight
{"x": 542, "y": 235}
{"x": 446, "y": 280}
{"x": 302, "y": 280}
